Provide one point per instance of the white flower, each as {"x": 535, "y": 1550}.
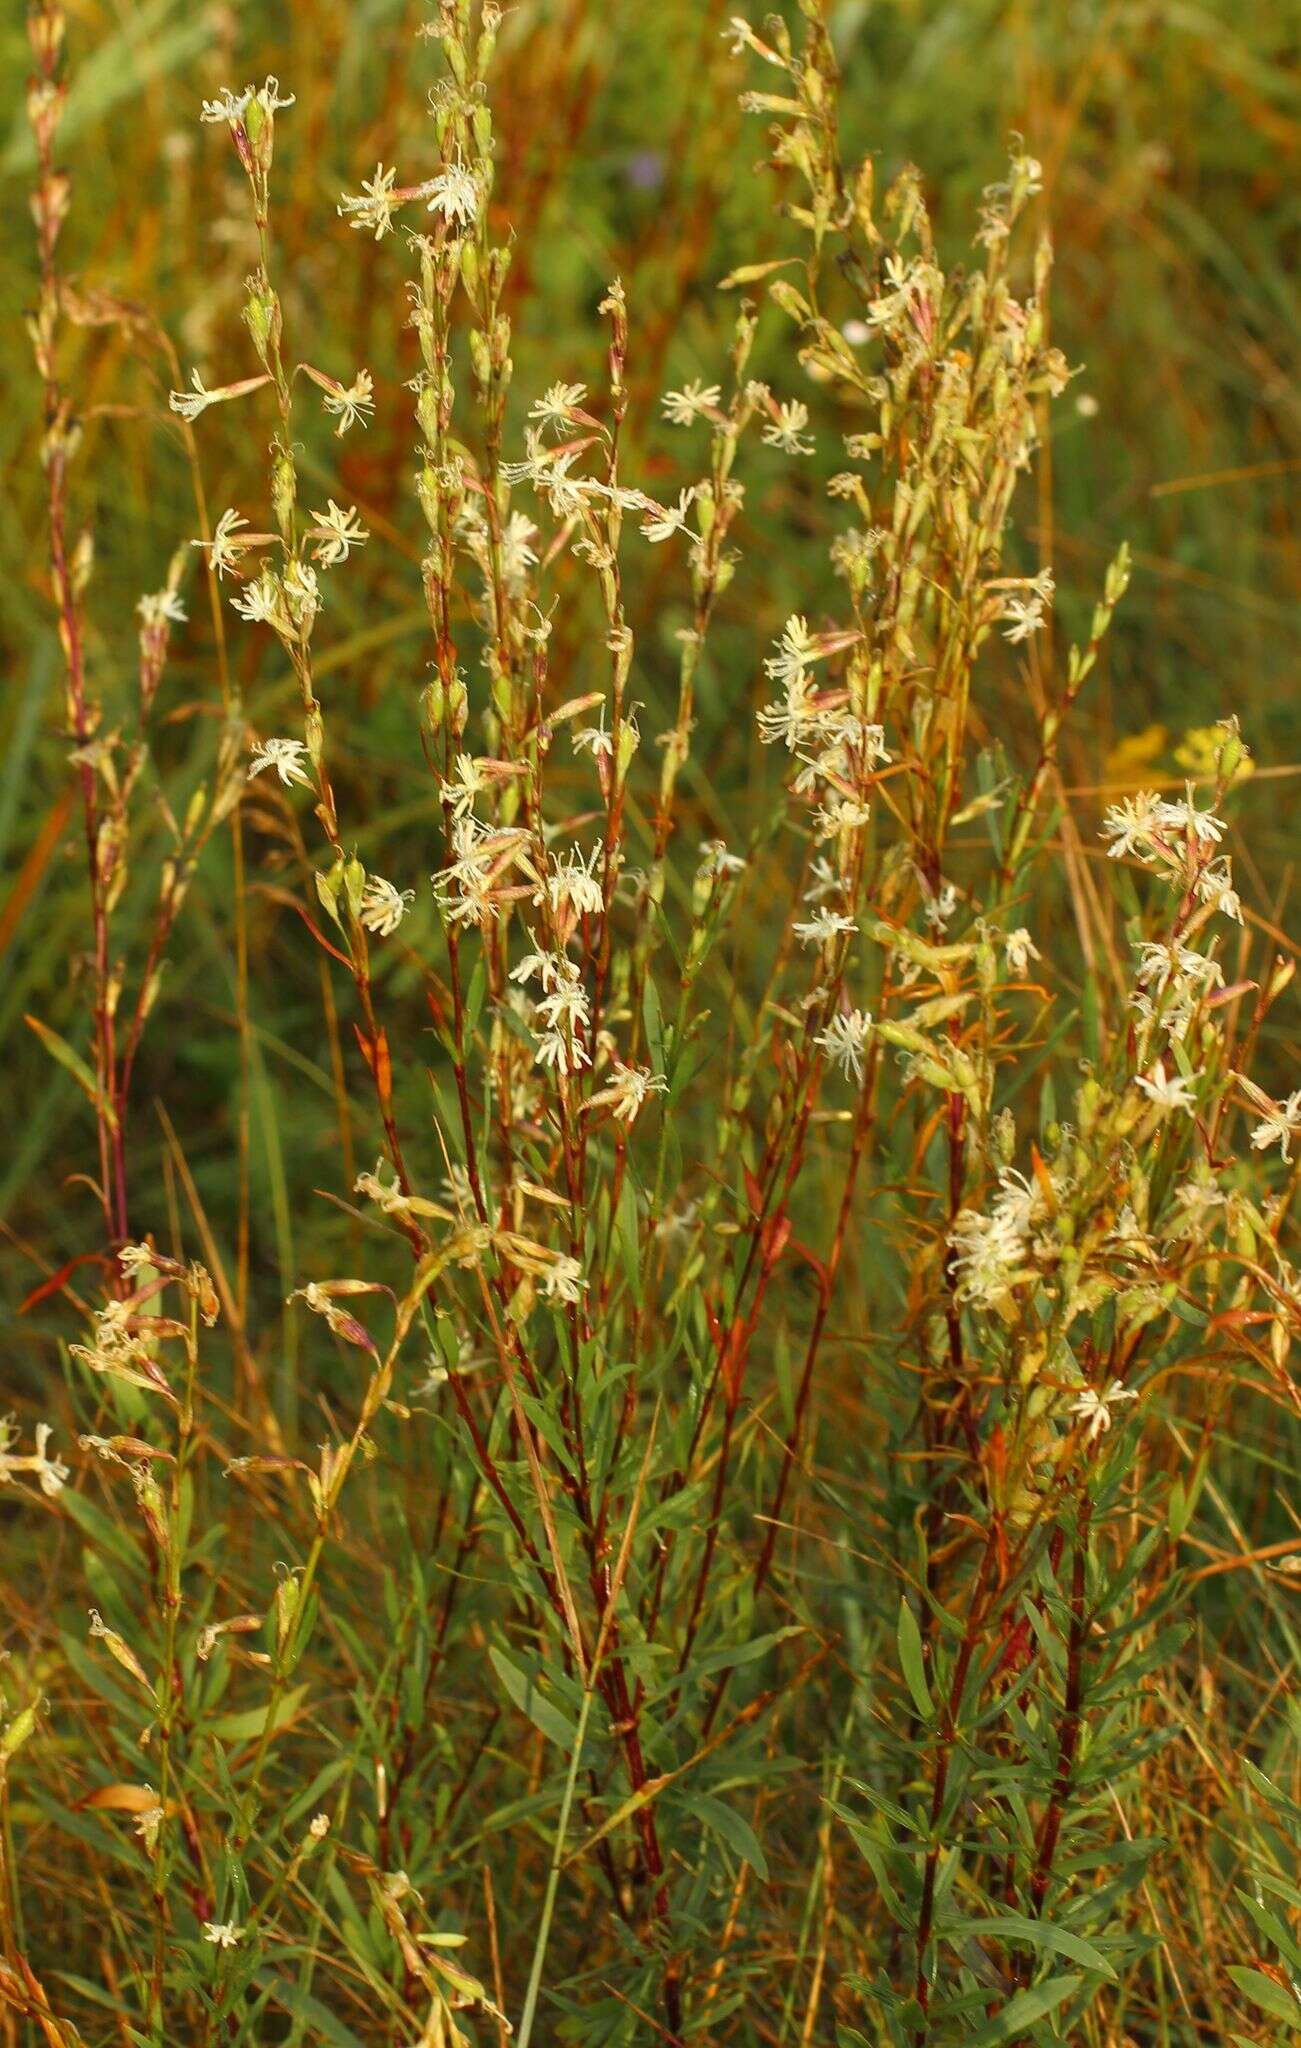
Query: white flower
{"x": 454, "y": 194}
{"x": 824, "y": 880}
{"x": 464, "y": 888}
{"x": 1197, "y": 1199}
{"x": 717, "y": 863}
{"x": 1134, "y": 825}
{"x": 228, "y": 105}
{"x": 1168, "y": 963}
{"x": 551, "y": 969}
{"x": 113, "y": 1335}
{"x": 50, "y": 1474}
{"x": 1126, "y": 1229}
{"x": 1215, "y": 885}
{"x": 795, "y": 719}
{"x": 302, "y": 593}
{"x": 160, "y": 606}
{"x": 383, "y": 906}
{"x": 1028, "y": 174}
{"x": 260, "y": 601}
{"x": 337, "y": 533}
{"x": 992, "y": 1250}
{"x": 563, "y": 1279}
{"x": 561, "y": 1050}
{"x": 989, "y": 1253}
{"x": 629, "y": 1091}
{"x": 268, "y": 96}
{"x": 1025, "y": 616}
{"x": 386, "y": 1195}
{"x": 820, "y": 930}
{"x": 353, "y": 403}
{"x": 467, "y": 782}
{"x": 1184, "y": 816}
{"x": 787, "y": 430}
{"x": 1019, "y": 950}
{"x": 796, "y": 649}
{"x": 890, "y": 305}
{"x": 1280, "y": 1124}
{"x": 223, "y": 1933}
{"x": 517, "y": 552}
{"x": 839, "y": 814}
{"x": 845, "y": 1040}
{"x": 373, "y": 206}
{"x": 853, "y": 551}
{"x": 668, "y": 520}
{"x": 1179, "y": 976}
{"x": 285, "y": 756}
{"x": 938, "y": 909}
{"x": 913, "y": 287}
{"x": 189, "y": 404}
{"x": 1094, "y": 1409}
{"x": 148, "y": 1824}
{"x": 563, "y": 1005}
{"x": 231, "y": 106}
{"x": 573, "y": 881}
{"x": 682, "y": 407}
{"x": 594, "y": 740}
{"x": 547, "y": 469}
{"x": 223, "y": 550}
{"x": 555, "y": 406}
{"x": 1168, "y": 1091}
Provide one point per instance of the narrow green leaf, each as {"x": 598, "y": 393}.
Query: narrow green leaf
{"x": 653, "y": 1020}
{"x": 1038, "y": 1933}
{"x": 534, "y": 1704}
{"x": 1268, "y": 1995}
{"x": 734, "y": 1829}
{"x": 248, "y": 1727}
{"x": 59, "y": 1049}
{"x": 912, "y": 1661}
{"x": 1023, "y": 2010}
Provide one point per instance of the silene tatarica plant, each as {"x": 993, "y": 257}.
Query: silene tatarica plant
{"x": 724, "y": 1563}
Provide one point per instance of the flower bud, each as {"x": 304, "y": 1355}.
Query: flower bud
{"x": 284, "y": 1611}
{"x": 284, "y": 489}
{"x": 20, "y": 1730}
{"x": 45, "y": 28}
{"x": 354, "y": 882}
{"x": 314, "y": 734}
{"x": 262, "y": 318}
{"x": 458, "y": 706}
{"x": 328, "y": 887}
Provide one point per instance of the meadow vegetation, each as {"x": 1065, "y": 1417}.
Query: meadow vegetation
{"x": 650, "y": 1028}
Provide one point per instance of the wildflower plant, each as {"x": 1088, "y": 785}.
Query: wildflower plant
{"x": 773, "y": 1363}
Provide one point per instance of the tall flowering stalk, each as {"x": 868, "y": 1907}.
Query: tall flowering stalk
{"x": 112, "y": 764}
{"x": 70, "y": 570}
